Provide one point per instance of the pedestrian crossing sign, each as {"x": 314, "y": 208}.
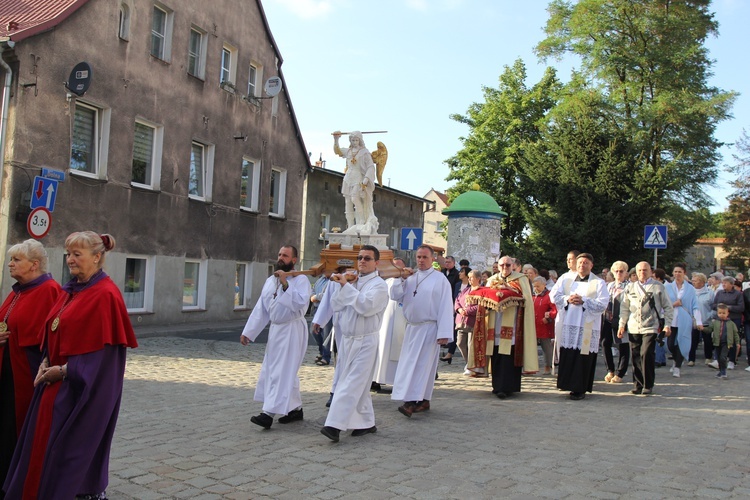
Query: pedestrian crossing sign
{"x": 655, "y": 237}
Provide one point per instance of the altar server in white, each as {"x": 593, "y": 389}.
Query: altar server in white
{"x": 358, "y": 313}
{"x": 283, "y": 301}
{"x": 427, "y": 301}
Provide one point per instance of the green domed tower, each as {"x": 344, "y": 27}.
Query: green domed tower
{"x": 474, "y": 225}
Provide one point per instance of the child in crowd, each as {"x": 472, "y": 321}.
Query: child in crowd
{"x": 725, "y": 334}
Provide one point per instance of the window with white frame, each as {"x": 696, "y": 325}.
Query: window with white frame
{"x": 138, "y": 289}
{"x": 201, "y": 170}
{"x": 147, "y": 149}
{"x": 253, "y": 78}
{"x": 250, "y": 185}
{"x": 90, "y": 139}
{"x": 278, "y": 192}
{"x": 123, "y": 30}
{"x": 161, "y": 32}
{"x": 228, "y": 65}
{"x": 241, "y": 286}
{"x": 197, "y": 52}
{"x": 194, "y": 285}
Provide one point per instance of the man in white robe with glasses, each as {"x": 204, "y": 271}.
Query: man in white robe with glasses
{"x": 358, "y": 313}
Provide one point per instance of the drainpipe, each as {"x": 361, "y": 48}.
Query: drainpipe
{"x": 6, "y": 105}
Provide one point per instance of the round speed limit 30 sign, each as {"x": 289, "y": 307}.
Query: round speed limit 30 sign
{"x": 39, "y": 223}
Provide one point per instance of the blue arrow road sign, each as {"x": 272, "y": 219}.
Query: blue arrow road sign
{"x": 411, "y": 238}
{"x": 43, "y": 193}
{"x": 655, "y": 237}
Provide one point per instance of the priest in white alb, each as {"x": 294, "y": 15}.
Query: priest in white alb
{"x": 283, "y": 301}
{"x": 584, "y": 298}
{"x": 427, "y": 301}
{"x": 358, "y": 312}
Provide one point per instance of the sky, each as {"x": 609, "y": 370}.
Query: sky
{"x": 405, "y": 66}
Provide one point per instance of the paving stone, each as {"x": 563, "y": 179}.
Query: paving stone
{"x": 470, "y": 445}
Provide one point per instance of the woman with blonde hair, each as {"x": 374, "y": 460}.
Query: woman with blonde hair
{"x": 21, "y": 322}
{"x": 611, "y": 320}
{"x": 64, "y": 446}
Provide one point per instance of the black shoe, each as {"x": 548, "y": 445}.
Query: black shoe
{"x": 501, "y": 394}
{"x": 330, "y": 398}
{"x": 375, "y": 387}
{"x": 331, "y": 433}
{"x": 636, "y": 391}
{"x": 362, "y": 432}
{"x": 263, "y": 420}
{"x": 447, "y": 360}
{"x": 292, "y": 416}
{"x": 577, "y": 396}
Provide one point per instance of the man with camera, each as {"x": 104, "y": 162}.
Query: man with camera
{"x": 640, "y": 312}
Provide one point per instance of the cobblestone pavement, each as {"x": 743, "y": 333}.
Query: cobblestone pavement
{"x": 184, "y": 432}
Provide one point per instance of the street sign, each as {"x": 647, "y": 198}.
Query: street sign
{"x": 39, "y": 223}
{"x": 411, "y": 238}
{"x": 51, "y": 173}
{"x": 43, "y": 193}
{"x": 655, "y": 237}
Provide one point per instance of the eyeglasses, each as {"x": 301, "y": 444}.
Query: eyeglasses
{"x": 505, "y": 265}
{"x": 366, "y": 258}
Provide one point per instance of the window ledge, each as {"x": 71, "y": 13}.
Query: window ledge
{"x": 277, "y": 216}
{"x": 192, "y": 309}
{"x": 87, "y": 175}
{"x": 140, "y": 312}
{"x": 199, "y": 199}
{"x": 196, "y": 77}
{"x": 159, "y": 59}
{"x": 249, "y": 211}
{"x": 144, "y": 187}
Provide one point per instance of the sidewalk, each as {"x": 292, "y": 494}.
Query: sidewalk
{"x": 184, "y": 432}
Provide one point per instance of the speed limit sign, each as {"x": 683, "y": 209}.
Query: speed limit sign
{"x": 39, "y": 223}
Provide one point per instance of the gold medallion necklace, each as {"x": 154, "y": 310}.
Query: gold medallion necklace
{"x": 56, "y": 321}
{"x": 4, "y": 322}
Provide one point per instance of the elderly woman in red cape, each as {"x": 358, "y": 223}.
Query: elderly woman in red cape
{"x": 21, "y": 322}
{"x": 63, "y": 450}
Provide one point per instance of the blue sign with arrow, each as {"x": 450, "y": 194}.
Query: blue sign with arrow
{"x": 411, "y": 238}
{"x": 43, "y": 193}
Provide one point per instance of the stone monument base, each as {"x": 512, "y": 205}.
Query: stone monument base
{"x": 347, "y": 241}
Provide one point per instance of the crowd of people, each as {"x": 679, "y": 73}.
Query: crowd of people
{"x": 395, "y": 331}
{"x": 62, "y": 365}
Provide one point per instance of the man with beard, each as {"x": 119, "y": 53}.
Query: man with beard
{"x": 514, "y": 348}
{"x": 283, "y": 301}
{"x": 584, "y": 298}
{"x": 427, "y": 301}
{"x": 358, "y": 312}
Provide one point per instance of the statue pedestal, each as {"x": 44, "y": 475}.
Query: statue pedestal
{"x": 347, "y": 241}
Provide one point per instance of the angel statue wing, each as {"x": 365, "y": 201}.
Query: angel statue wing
{"x": 380, "y": 158}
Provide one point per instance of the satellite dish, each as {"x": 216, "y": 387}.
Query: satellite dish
{"x": 273, "y": 86}
{"x": 79, "y": 79}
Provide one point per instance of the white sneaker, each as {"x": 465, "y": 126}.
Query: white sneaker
{"x": 691, "y": 363}
{"x": 708, "y": 362}
{"x": 714, "y": 364}
{"x": 730, "y": 366}
{"x": 747, "y": 369}
{"x": 672, "y": 368}
{"x": 676, "y": 372}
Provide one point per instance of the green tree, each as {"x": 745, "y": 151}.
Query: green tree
{"x": 510, "y": 115}
{"x": 649, "y": 60}
{"x": 736, "y": 219}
